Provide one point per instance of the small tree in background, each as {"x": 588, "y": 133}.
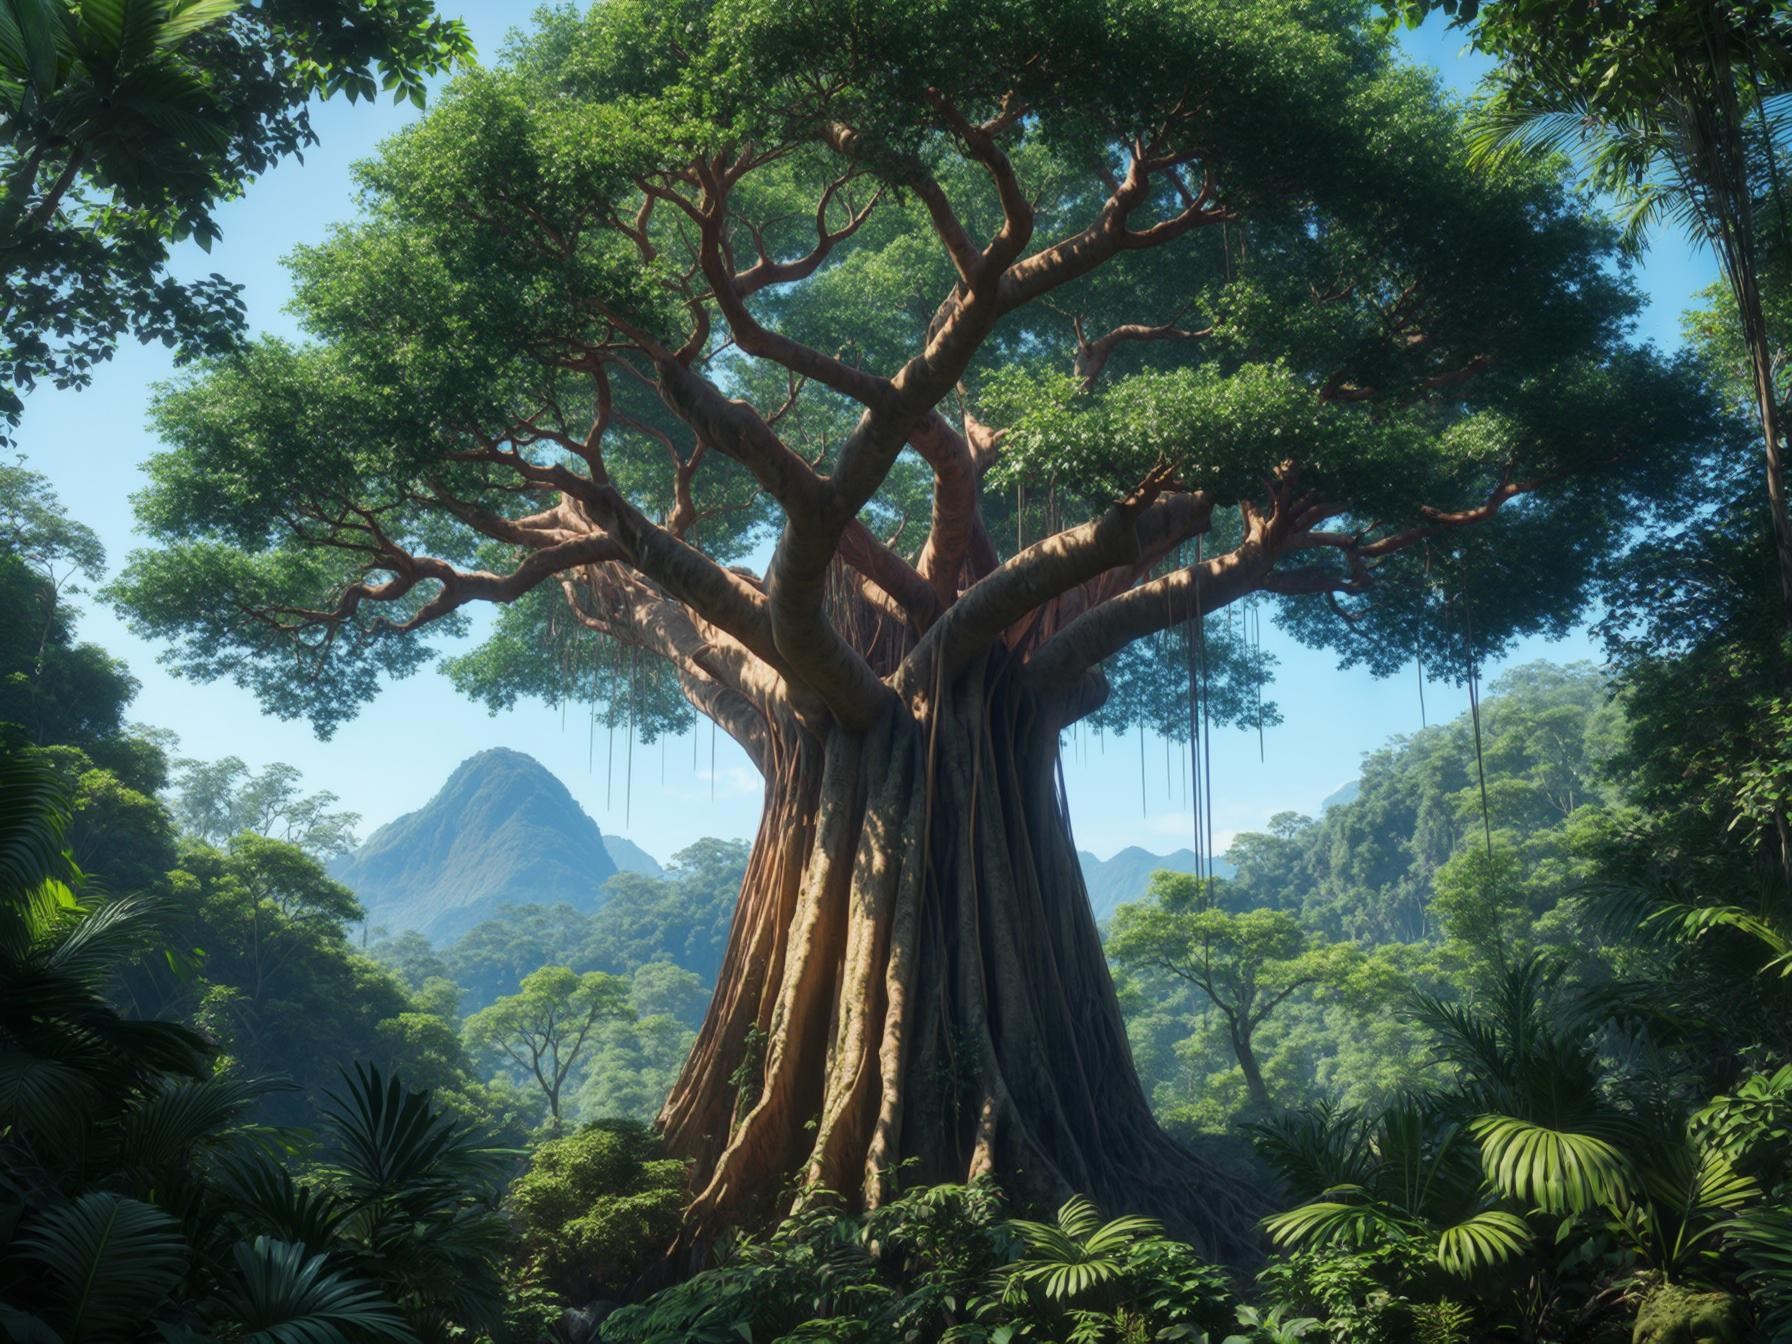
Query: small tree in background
{"x": 1247, "y": 965}
{"x": 543, "y": 1028}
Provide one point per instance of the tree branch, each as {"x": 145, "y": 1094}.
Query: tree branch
{"x": 1025, "y": 582}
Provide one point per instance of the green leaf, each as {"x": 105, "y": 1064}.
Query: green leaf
{"x": 1489, "y": 1238}
{"x": 184, "y": 20}
{"x": 1554, "y": 1170}
{"x": 44, "y": 1096}
{"x": 111, "y": 1260}
{"x": 162, "y": 1129}
{"x": 1337, "y": 1221}
{"x": 284, "y": 1296}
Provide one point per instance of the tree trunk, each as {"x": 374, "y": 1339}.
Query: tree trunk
{"x": 1247, "y": 1063}
{"x": 914, "y": 989}
{"x": 1761, "y": 361}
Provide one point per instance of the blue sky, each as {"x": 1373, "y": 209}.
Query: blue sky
{"x": 92, "y": 444}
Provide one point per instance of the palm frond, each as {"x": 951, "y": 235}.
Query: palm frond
{"x": 161, "y": 1130}
{"x": 1489, "y": 1238}
{"x": 1501, "y": 130}
{"x": 1077, "y": 1252}
{"x": 390, "y": 1140}
{"x": 1554, "y": 1170}
{"x": 112, "y": 934}
{"x": 183, "y": 20}
{"x": 34, "y": 815}
{"x": 1691, "y": 922}
{"x": 1331, "y": 1221}
{"x": 1762, "y": 1237}
{"x": 281, "y": 1295}
{"x": 111, "y": 1261}
{"x": 265, "y": 1192}
{"x": 42, "y": 1096}
{"x": 1316, "y": 1148}
{"x": 1692, "y": 1180}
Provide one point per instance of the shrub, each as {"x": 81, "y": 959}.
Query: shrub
{"x": 596, "y": 1208}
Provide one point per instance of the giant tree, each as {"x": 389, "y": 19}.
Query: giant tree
{"x": 898, "y": 385}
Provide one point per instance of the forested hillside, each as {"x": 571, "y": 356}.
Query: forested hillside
{"x": 1410, "y": 886}
{"x": 1124, "y": 875}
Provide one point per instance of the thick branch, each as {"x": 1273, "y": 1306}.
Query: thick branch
{"x": 956, "y": 514}
{"x": 915, "y": 597}
{"x": 748, "y": 333}
{"x": 1108, "y": 235}
{"x": 767, "y": 272}
{"x": 1027, "y": 581}
{"x": 1092, "y": 356}
{"x": 737, "y": 430}
{"x": 1167, "y": 601}
{"x": 718, "y": 682}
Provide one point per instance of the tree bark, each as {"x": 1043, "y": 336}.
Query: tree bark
{"x": 1767, "y": 404}
{"x": 915, "y": 991}
{"x": 1247, "y": 1063}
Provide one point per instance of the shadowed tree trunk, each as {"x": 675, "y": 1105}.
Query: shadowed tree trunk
{"x": 915, "y": 977}
{"x": 1246, "y": 1053}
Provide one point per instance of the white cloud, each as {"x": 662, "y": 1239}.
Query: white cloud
{"x": 729, "y": 782}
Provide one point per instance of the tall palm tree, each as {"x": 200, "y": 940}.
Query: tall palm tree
{"x": 1677, "y": 110}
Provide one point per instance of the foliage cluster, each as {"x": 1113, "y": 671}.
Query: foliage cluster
{"x": 140, "y": 1196}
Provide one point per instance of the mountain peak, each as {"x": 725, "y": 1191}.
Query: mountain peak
{"x": 1112, "y": 882}
{"x": 503, "y": 830}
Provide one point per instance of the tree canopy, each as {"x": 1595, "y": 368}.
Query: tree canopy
{"x": 124, "y": 124}
{"x": 1105, "y": 313}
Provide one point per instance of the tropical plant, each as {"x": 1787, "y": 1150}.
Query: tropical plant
{"x": 280, "y": 1294}
{"x": 1111, "y": 1280}
{"x": 90, "y": 1097}
{"x": 71, "y": 1065}
{"x": 1528, "y": 1162}
{"x": 124, "y": 124}
{"x": 1404, "y": 1175}
{"x": 1762, "y": 1239}
{"x": 103, "y": 87}
{"x": 139, "y": 1191}
{"x": 941, "y": 1263}
{"x": 1274, "y": 1326}
{"x": 1073, "y": 1258}
{"x": 1674, "y": 109}
{"x": 596, "y": 1208}
{"x": 101, "y": 1262}
{"x": 419, "y": 1195}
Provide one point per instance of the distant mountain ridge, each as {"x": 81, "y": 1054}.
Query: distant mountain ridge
{"x": 505, "y": 831}
{"x": 502, "y": 831}
{"x": 631, "y": 858}
{"x": 1113, "y": 882}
